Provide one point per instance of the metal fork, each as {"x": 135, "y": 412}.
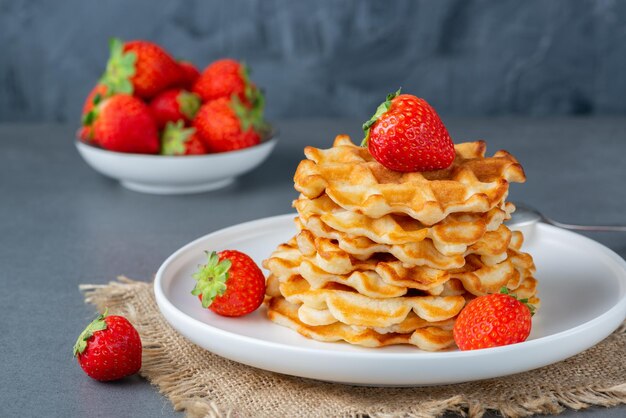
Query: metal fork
{"x": 525, "y": 215}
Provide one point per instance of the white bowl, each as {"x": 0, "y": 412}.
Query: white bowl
{"x": 161, "y": 174}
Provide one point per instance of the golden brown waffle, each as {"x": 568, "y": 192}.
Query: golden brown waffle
{"x": 350, "y": 176}
{"x": 383, "y": 276}
{"x": 352, "y": 308}
{"x": 317, "y": 236}
{"x": 429, "y": 338}
{"x": 451, "y": 236}
{"x": 314, "y": 316}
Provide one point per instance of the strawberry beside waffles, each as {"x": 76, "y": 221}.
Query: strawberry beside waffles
{"x": 229, "y": 284}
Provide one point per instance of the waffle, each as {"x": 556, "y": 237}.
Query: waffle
{"x": 350, "y": 176}
{"x": 386, "y": 277}
{"x": 428, "y": 338}
{"x": 352, "y": 308}
{"x": 315, "y": 235}
{"x": 451, "y": 236}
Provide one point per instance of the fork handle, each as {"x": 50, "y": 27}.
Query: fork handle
{"x": 603, "y": 228}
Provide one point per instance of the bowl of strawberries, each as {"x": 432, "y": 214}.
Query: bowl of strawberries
{"x": 161, "y": 126}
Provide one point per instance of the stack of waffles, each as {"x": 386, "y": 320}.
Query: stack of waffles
{"x": 383, "y": 257}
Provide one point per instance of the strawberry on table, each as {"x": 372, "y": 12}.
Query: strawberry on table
{"x": 406, "y": 134}
{"x": 109, "y": 348}
{"x": 225, "y": 78}
{"x": 190, "y": 74}
{"x": 141, "y": 68}
{"x": 230, "y": 284}
{"x": 228, "y": 125}
{"x": 124, "y": 123}
{"x": 178, "y": 140}
{"x": 493, "y": 320}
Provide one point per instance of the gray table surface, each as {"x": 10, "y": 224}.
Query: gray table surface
{"x": 62, "y": 224}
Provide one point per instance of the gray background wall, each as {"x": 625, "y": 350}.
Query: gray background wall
{"x": 333, "y": 58}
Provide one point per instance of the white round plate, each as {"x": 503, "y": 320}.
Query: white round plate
{"x": 162, "y": 174}
{"x": 582, "y": 285}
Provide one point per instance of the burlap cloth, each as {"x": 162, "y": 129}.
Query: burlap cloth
{"x": 204, "y": 384}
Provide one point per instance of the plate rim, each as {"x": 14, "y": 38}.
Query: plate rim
{"x": 163, "y": 301}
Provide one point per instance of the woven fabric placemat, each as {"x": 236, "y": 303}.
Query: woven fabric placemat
{"x": 206, "y": 385}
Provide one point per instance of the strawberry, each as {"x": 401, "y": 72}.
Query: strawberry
{"x": 178, "y": 140}
{"x": 94, "y": 97}
{"x": 124, "y": 123}
{"x": 190, "y": 73}
{"x": 493, "y": 320}
{"x": 227, "y": 125}
{"x": 406, "y": 134}
{"x": 85, "y": 134}
{"x": 141, "y": 68}
{"x": 230, "y": 284}
{"x": 98, "y": 93}
{"x": 173, "y": 105}
{"x": 109, "y": 348}
{"x": 225, "y": 78}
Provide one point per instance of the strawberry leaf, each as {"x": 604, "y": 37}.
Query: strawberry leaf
{"x": 89, "y": 118}
{"x": 250, "y": 116}
{"x": 119, "y": 70}
{"x": 174, "y": 138}
{"x": 97, "y": 324}
{"x": 505, "y": 291}
{"x": 211, "y": 279}
{"x": 188, "y": 103}
{"x": 380, "y": 110}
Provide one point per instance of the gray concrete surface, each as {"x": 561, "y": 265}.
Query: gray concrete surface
{"x": 333, "y": 58}
{"x": 62, "y": 224}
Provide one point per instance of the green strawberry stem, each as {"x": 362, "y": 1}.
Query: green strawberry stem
{"x": 249, "y": 91}
{"x": 189, "y": 104}
{"x": 504, "y": 290}
{"x": 250, "y": 117}
{"x": 90, "y": 117}
{"x": 97, "y": 324}
{"x": 380, "y": 110}
{"x": 174, "y": 137}
{"x": 211, "y": 279}
{"x": 119, "y": 70}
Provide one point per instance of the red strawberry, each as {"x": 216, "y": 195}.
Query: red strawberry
{"x": 230, "y": 284}
{"x": 96, "y": 95}
{"x": 173, "y": 105}
{"x": 227, "y": 125}
{"x": 225, "y": 78}
{"x": 124, "y": 123}
{"x": 190, "y": 73}
{"x": 84, "y": 133}
{"x": 178, "y": 140}
{"x": 406, "y": 134}
{"x": 141, "y": 68}
{"x": 109, "y": 348}
{"x": 493, "y": 320}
